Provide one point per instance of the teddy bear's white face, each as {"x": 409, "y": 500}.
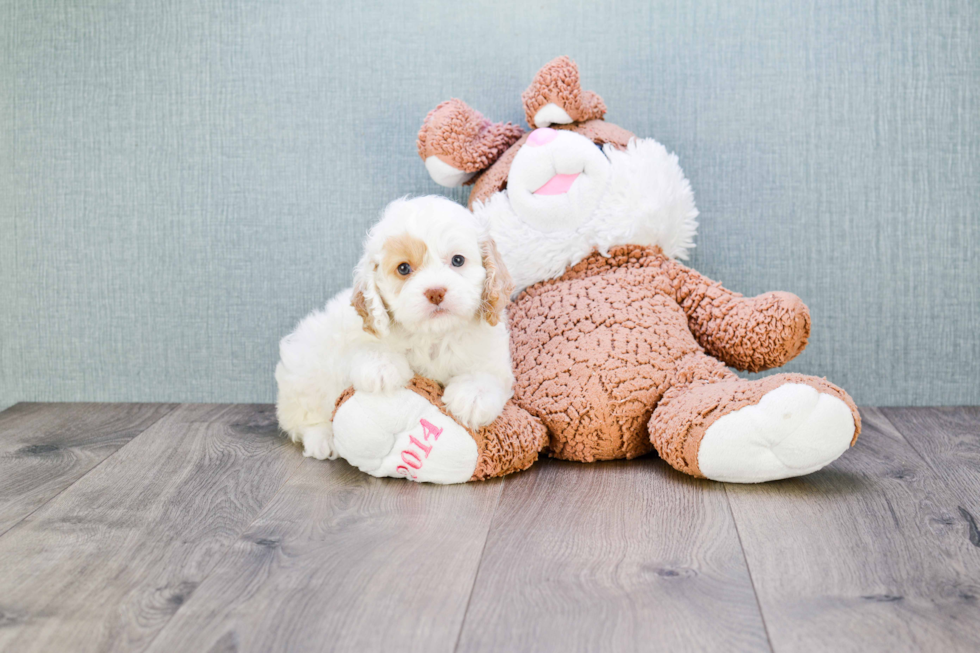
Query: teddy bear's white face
{"x": 557, "y": 179}
{"x": 565, "y": 199}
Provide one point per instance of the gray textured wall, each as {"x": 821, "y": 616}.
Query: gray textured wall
{"x": 180, "y": 182}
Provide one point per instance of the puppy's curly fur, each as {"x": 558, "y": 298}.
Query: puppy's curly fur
{"x": 429, "y": 298}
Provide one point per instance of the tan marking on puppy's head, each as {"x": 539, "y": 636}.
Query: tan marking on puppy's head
{"x": 402, "y": 249}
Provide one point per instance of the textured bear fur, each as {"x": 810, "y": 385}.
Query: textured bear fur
{"x": 618, "y": 348}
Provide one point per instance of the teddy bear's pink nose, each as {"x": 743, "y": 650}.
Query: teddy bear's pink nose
{"x": 541, "y": 136}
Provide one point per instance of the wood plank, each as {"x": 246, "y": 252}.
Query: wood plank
{"x": 342, "y": 561}
{"x": 44, "y": 448}
{"x": 623, "y": 556}
{"x": 868, "y": 554}
{"x": 948, "y": 438}
{"x": 105, "y": 564}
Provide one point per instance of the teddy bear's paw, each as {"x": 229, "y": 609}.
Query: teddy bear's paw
{"x": 402, "y": 435}
{"x": 792, "y": 431}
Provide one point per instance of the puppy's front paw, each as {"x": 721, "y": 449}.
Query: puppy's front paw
{"x": 318, "y": 442}
{"x": 380, "y": 372}
{"x": 475, "y": 400}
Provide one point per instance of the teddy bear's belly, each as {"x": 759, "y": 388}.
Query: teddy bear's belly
{"x": 593, "y": 356}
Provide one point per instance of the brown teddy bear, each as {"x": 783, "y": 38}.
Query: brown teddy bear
{"x": 618, "y": 349}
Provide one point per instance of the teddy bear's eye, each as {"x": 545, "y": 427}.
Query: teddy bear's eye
{"x": 458, "y": 261}
{"x": 404, "y": 269}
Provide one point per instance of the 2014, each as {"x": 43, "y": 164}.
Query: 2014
{"x": 414, "y": 460}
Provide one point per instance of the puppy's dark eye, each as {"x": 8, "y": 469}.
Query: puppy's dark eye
{"x": 458, "y": 261}
{"x": 404, "y": 269}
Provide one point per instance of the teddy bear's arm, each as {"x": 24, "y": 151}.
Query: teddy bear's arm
{"x": 747, "y": 333}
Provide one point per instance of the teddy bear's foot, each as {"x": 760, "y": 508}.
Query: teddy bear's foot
{"x": 792, "y": 431}
{"x": 742, "y": 431}
{"x": 402, "y": 434}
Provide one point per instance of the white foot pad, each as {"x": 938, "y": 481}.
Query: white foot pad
{"x": 792, "y": 431}
{"x": 400, "y": 434}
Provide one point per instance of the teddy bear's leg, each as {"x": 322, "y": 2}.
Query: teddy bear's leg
{"x": 402, "y": 434}
{"x": 743, "y": 431}
{"x": 409, "y": 434}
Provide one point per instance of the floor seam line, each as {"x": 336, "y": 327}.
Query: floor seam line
{"x": 479, "y": 565}
{"x": 911, "y": 443}
{"x": 95, "y": 467}
{"x": 748, "y": 570}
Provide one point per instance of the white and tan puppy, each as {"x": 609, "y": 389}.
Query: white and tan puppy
{"x": 428, "y": 298}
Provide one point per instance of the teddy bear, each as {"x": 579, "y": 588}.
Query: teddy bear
{"x": 618, "y": 348}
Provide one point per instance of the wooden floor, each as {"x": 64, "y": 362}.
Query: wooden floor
{"x": 199, "y": 528}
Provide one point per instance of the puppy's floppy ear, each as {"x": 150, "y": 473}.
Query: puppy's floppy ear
{"x": 498, "y": 285}
{"x": 367, "y": 301}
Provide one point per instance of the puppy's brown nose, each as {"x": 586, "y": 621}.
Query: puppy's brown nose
{"x": 435, "y": 295}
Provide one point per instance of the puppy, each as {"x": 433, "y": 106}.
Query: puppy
{"x": 429, "y": 297}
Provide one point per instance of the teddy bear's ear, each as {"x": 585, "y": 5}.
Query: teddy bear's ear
{"x": 555, "y": 97}
{"x": 456, "y": 142}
